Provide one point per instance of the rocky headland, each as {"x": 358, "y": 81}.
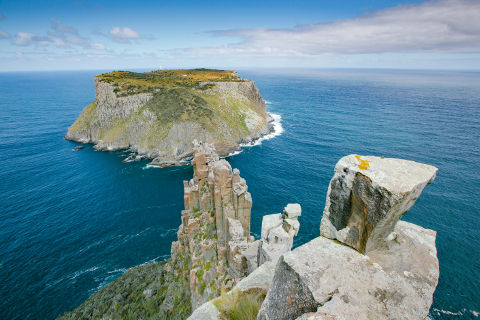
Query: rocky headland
{"x": 158, "y": 114}
{"x": 365, "y": 264}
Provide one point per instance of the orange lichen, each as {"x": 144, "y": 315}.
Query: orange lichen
{"x": 363, "y": 164}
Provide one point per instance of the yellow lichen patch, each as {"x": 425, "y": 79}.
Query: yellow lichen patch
{"x": 363, "y": 164}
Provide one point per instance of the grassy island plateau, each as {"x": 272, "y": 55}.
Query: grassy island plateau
{"x": 158, "y": 114}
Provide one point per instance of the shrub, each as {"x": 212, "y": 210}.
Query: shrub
{"x": 240, "y": 305}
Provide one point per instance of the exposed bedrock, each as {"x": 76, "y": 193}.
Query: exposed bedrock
{"x": 214, "y": 239}
{"x": 380, "y": 268}
{"x": 368, "y": 195}
{"x": 324, "y": 279}
{"x": 278, "y": 231}
{"x": 160, "y": 123}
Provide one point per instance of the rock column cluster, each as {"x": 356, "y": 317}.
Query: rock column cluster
{"x": 214, "y": 239}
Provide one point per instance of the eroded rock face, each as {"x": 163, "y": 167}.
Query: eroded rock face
{"x": 233, "y": 112}
{"x": 330, "y": 279}
{"x": 215, "y": 229}
{"x": 258, "y": 280}
{"x": 278, "y": 231}
{"x": 368, "y": 195}
{"x": 325, "y": 279}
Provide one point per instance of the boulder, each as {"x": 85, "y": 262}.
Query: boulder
{"x": 292, "y": 210}
{"x": 324, "y": 279}
{"x": 260, "y": 279}
{"x": 206, "y": 311}
{"x": 277, "y": 234}
{"x": 367, "y": 196}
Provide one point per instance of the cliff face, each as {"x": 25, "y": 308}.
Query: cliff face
{"x": 159, "y": 114}
{"x": 215, "y": 227}
{"x": 366, "y": 264}
{"x": 213, "y": 253}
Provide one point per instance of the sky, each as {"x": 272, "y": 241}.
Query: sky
{"x": 121, "y": 35}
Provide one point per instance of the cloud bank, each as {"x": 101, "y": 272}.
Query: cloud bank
{"x": 438, "y": 26}
{"x": 60, "y": 36}
{"x": 124, "y": 34}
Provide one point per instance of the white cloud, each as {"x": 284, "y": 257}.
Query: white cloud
{"x": 59, "y": 27}
{"x": 440, "y": 26}
{"x": 124, "y": 34}
{"x": 59, "y": 36}
{"x": 97, "y": 46}
{"x": 25, "y": 39}
{"x": 4, "y": 35}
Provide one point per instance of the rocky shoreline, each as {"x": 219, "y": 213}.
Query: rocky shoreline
{"x": 365, "y": 263}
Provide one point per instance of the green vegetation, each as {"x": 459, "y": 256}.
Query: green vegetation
{"x": 128, "y": 83}
{"x": 143, "y": 292}
{"x": 86, "y": 118}
{"x": 182, "y": 105}
{"x": 240, "y": 305}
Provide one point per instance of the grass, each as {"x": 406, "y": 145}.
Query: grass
{"x": 240, "y": 305}
{"x": 124, "y": 297}
{"x": 87, "y": 117}
{"x": 128, "y": 83}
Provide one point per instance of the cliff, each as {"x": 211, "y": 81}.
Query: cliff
{"x": 213, "y": 253}
{"x": 366, "y": 263}
{"x": 158, "y": 114}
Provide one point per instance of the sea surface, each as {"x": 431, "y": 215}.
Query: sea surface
{"x": 72, "y": 221}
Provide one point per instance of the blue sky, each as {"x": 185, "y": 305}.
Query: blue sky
{"x": 66, "y": 35}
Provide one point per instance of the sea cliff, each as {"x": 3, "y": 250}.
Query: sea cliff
{"x": 158, "y": 114}
{"x": 365, "y": 264}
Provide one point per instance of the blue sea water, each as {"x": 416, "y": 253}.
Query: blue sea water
{"x": 72, "y": 221}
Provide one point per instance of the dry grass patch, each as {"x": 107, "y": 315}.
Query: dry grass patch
{"x": 239, "y": 305}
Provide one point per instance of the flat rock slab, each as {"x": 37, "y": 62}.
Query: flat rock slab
{"x": 368, "y": 195}
{"x": 324, "y": 279}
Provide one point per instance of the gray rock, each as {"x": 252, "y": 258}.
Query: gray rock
{"x": 278, "y": 231}
{"x": 324, "y": 279}
{"x": 260, "y": 279}
{"x": 269, "y": 222}
{"x": 292, "y": 210}
{"x": 251, "y": 254}
{"x": 206, "y": 311}
{"x": 148, "y": 293}
{"x": 368, "y": 195}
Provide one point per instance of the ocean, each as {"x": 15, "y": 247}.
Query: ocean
{"x": 72, "y": 221}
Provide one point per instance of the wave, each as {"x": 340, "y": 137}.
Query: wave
{"x": 79, "y": 273}
{"x": 122, "y": 270}
{"x": 460, "y": 313}
{"x": 277, "y": 131}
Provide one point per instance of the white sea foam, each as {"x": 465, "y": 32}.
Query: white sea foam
{"x": 277, "y": 130}
{"x": 121, "y": 270}
{"x": 462, "y": 312}
{"x": 79, "y": 273}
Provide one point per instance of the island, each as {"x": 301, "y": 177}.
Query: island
{"x": 158, "y": 114}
